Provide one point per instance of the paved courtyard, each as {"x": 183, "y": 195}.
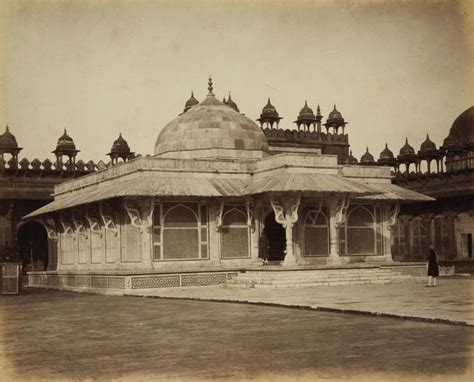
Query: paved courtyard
{"x": 74, "y": 336}
{"x": 451, "y": 301}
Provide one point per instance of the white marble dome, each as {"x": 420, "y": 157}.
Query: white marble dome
{"x": 211, "y": 129}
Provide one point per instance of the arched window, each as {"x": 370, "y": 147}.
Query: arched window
{"x": 180, "y": 231}
{"x": 316, "y": 233}
{"x": 362, "y": 232}
{"x": 234, "y": 233}
{"x": 419, "y": 236}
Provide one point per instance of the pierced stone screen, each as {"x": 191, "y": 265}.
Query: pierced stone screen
{"x": 180, "y": 244}
{"x": 234, "y": 233}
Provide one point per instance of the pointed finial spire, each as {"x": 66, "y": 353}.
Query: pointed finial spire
{"x": 318, "y": 110}
{"x": 7, "y": 130}
{"x": 367, "y": 149}
{"x": 427, "y": 137}
{"x": 268, "y": 102}
{"x": 386, "y": 145}
{"x": 230, "y": 97}
{"x": 406, "y": 140}
{"x": 305, "y": 103}
{"x": 120, "y": 135}
{"x": 192, "y": 93}
{"x": 65, "y": 131}
{"x": 210, "y": 88}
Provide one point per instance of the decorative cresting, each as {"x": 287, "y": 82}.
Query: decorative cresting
{"x": 140, "y": 212}
{"x": 211, "y": 129}
{"x": 286, "y": 214}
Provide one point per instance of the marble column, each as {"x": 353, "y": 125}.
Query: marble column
{"x": 286, "y": 213}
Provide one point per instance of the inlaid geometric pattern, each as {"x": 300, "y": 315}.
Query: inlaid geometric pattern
{"x": 83, "y": 281}
{"x": 155, "y": 282}
{"x": 203, "y": 279}
{"x": 99, "y": 282}
{"x": 117, "y": 282}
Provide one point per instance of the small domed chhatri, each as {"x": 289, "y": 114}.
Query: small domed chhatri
{"x": 306, "y": 117}
{"x": 269, "y": 115}
{"x": 230, "y": 102}
{"x": 428, "y": 145}
{"x": 211, "y": 129}
{"x": 351, "y": 160}
{"x": 335, "y": 120}
{"x": 65, "y": 143}
{"x": 8, "y": 140}
{"x": 407, "y": 150}
{"x": 190, "y": 103}
{"x": 386, "y": 157}
{"x": 120, "y": 149}
{"x": 367, "y": 158}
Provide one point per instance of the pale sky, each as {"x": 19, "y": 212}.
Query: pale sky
{"x": 99, "y": 68}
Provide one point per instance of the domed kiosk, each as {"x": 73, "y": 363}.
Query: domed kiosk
{"x": 197, "y": 211}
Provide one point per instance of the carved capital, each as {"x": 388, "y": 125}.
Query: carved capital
{"x": 141, "y": 217}
{"x": 107, "y": 220}
{"x": 286, "y": 209}
{"x": 219, "y": 212}
{"x": 50, "y": 226}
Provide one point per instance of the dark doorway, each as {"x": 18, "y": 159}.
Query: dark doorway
{"x": 276, "y": 238}
{"x": 33, "y": 246}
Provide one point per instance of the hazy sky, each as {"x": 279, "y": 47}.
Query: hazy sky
{"x": 99, "y": 68}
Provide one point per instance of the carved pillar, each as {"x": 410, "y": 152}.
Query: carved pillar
{"x": 140, "y": 212}
{"x": 337, "y": 217}
{"x": 286, "y": 213}
{"x": 390, "y": 220}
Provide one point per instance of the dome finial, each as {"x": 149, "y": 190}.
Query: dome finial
{"x": 305, "y": 103}
{"x": 7, "y": 130}
{"x": 406, "y": 140}
{"x": 210, "y": 88}
{"x": 335, "y": 107}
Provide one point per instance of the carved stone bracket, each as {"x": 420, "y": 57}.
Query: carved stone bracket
{"x": 286, "y": 210}
{"x": 250, "y": 219}
{"x": 108, "y": 220}
{"x": 67, "y": 226}
{"x": 50, "y": 227}
{"x": 78, "y": 222}
{"x": 141, "y": 217}
{"x": 93, "y": 222}
{"x": 342, "y": 206}
{"x": 394, "y": 211}
{"x": 219, "y": 213}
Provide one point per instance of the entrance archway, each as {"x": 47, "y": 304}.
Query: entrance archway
{"x": 32, "y": 242}
{"x": 275, "y": 234}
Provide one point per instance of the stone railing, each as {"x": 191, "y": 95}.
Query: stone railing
{"x": 303, "y": 136}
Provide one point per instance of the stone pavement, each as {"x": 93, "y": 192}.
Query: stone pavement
{"x": 451, "y": 301}
{"x": 50, "y": 335}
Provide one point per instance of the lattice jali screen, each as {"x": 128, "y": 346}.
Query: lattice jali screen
{"x": 234, "y": 233}
{"x": 316, "y": 232}
{"x": 180, "y": 231}
{"x": 180, "y": 244}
